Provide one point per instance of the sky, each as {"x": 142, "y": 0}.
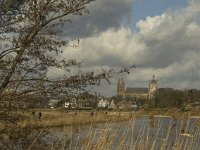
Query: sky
{"x": 159, "y": 37}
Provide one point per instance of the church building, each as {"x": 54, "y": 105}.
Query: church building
{"x": 137, "y": 92}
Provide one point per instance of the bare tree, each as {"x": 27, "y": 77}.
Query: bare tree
{"x": 31, "y": 41}
{"x": 31, "y": 34}
{"x": 31, "y": 37}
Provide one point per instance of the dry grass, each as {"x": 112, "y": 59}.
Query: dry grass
{"x": 56, "y": 118}
{"x": 182, "y": 138}
{"x": 149, "y": 135}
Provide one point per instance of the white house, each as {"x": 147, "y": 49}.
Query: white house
{"x": 112, "y": 105}
{"x": 67, "y": 104}
{"x": 103, "y": 103}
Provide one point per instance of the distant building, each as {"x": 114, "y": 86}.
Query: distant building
{"x": 112, "y": 105}
{"x": 106, "y": 104}
{"x": 125, "y": 105}
{"x": 80, "y": 104}
{"x": 53, "y": 102}
{"x": 153, "y": 87}
{"x": 103, "y": 103}
{"x": 137, "y": 92}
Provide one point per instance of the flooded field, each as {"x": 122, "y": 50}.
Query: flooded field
{"x": 142, "y": 133}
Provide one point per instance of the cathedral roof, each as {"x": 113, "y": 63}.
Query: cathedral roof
{"x": 136, "y": 90}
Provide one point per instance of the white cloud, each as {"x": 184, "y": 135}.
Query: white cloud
{"x": 166, "y": 45}
{"x": 112, "y": 47}
{"x": 193, "y": 29}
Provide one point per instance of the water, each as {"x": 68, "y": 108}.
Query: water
{"x": 144, "y": 133}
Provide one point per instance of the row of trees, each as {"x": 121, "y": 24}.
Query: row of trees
{"x": 174, "y": 98}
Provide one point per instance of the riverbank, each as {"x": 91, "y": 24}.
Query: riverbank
{"x": 59, "y": 117}
{"x": 176, "y": 113}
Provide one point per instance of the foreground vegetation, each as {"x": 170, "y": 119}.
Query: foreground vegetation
{"x": 155, "y": 135}
{"x": 148, "y": 133}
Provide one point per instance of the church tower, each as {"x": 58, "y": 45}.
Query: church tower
{"x": 153, "y": 87}
{"x": 120, "y": 88}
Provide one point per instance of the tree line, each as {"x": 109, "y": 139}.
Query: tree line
{"x": 174, "y": 98}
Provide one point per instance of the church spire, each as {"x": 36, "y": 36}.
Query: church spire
{"x": 153, "y": 86}
{"x": 120, "y": 87}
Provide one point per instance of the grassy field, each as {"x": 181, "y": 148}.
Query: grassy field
{"x": 60, "y": 117}
{"x": 57, "y": 117}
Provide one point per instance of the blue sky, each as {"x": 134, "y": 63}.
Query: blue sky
{"x": 143, "y": 8}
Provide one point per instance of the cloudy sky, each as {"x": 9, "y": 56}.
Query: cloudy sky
{"x": 160, "y": 37}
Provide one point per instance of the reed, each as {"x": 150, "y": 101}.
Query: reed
{"x": 151, "y": 134}
{"x": 177, "y": 137}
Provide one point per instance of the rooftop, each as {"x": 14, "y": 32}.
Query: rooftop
{"x": 137, "y": 89}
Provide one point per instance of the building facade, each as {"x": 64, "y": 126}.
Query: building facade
{"x": 137, "y": 92}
